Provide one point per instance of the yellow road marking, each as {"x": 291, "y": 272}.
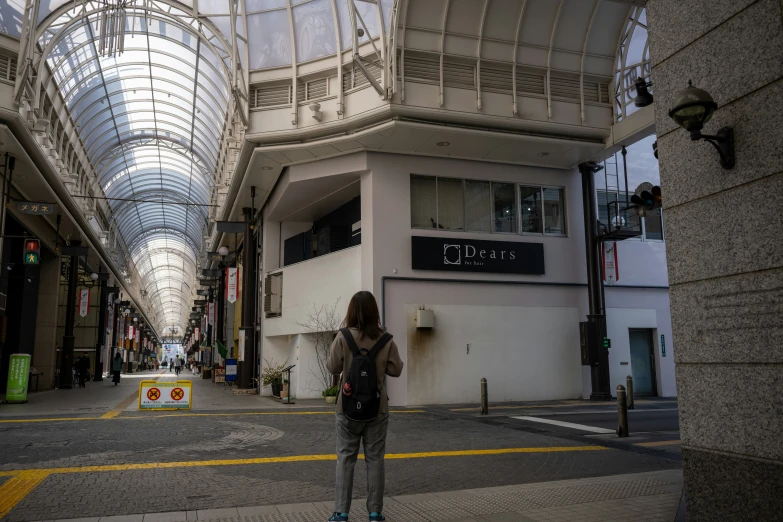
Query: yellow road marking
{"x": 328, "y": 412}
{"x": 13, "y": 490}
{"x": 23, "y": 482}
{"x": 111, "y": 415}
{"x": 310, "y": 458}
{"x": 561, "y": 405}
{"x": 658, "y": 443}
{"x": 51, "y": 419}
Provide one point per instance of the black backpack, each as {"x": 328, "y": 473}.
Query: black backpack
{"x": 364, "y": 401}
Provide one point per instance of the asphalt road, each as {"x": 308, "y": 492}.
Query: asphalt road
{"x": 639, "y": 421}
{"x": 125, "y": 465}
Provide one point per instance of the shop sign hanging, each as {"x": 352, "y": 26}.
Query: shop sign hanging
{"x": 84, "y": 302}
{"x": 232, "y": 281}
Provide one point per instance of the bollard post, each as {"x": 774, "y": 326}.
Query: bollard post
{"x": 484, "y": 399}
{"x": 622, "y": 412}
{"x": 629, "y": 390}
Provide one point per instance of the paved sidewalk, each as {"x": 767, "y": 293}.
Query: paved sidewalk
{"x": 639, "y": 497}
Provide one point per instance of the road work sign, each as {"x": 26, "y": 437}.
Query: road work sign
{"x": 154, "y": 395}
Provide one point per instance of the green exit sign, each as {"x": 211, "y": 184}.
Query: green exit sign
{"x": 607, "y": 342}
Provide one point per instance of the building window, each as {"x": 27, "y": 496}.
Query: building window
{"x": 530, "y": 200}
{"x": 273, "y": 295}
{"x": 478, "y": 206}
{"x": 423, "y": 202}
{"x": 484, "y": 206}
{"x": 554, "y": 211}
{"x": 504, "y": 208}
{"x": 451, "y": 205}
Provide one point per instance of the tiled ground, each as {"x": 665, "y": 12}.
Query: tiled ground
{"x": 641, "y": 497}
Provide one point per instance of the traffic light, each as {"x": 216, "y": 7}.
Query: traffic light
{"x": 32, "y": 251}
{"x": 647, "y": 199}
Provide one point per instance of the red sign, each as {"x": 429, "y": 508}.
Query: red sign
{"x": 177, "y": 394}
{"x": 153, "y": 394}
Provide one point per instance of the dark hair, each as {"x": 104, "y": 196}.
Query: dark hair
{"x": 363, "y": 315}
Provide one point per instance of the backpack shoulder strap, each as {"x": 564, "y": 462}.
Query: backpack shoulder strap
{"x": 378, "y": 346}
{"x": 350, "y": 340}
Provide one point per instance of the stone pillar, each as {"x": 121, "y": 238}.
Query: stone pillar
{"x": 725, "y": 250}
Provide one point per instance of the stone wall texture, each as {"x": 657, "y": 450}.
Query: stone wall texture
{"x": 724, "y": 235}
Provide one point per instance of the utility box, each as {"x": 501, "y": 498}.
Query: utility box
{"x": 425, "y": 319}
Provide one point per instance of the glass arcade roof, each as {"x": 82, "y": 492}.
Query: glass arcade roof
{"x": 152, "y": 121}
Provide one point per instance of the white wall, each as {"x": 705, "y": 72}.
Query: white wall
{"x": 324, "y": 280}
{"x": 642, "y": 263}
{"x": 525, "y": 353}
{"x": 639, "y": 308}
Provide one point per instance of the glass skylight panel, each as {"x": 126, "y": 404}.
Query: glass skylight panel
{"x": 263, "y": 5}
{"x": 314, "y": 30}
{"x": 156, "y": 136}
{"x": 269, "y": 38}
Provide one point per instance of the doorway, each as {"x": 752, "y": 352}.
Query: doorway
{"x": 643, "y": 363}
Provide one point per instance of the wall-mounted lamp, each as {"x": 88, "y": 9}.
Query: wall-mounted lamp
{"x": 643, "y": 96}
{"x": 692, "y": 109}
{"x": 315, "y": 108}
{"x": 223, "y": 251}
{"x": 94, "y": 276}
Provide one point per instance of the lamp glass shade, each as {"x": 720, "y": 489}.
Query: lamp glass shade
{"x": 693, "y": 108}
{"x": 223, "y": 251}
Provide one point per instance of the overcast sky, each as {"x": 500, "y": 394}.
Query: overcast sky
{"x": 642, "y": 166}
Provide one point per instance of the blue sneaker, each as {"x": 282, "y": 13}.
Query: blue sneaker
{"x": 337, "y": 517}
{"x": 376, "y": 517}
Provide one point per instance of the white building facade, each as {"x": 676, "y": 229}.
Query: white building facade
{"x": 506, "y": 285}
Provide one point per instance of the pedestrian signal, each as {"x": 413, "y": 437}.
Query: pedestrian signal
{"x": 32, "y": 251}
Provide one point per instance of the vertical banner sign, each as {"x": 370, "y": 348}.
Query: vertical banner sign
{"x": 84, "y": 302}
{"x": 18, "y": 375}
{"x": 663, "y": 346}
{"x": 241, "y": 354}
{"x": 232, "y": 282}
{"x": 611, "y": 267}
{"x": 211, "y": 314}
{"x": 197, "y": 335}
{"x": 109, "y": 314}
{"x": 138, "y": 334}
{"x": 130, "y": 333}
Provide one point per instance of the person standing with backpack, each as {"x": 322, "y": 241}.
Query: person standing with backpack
{"x": 363, "y": 355}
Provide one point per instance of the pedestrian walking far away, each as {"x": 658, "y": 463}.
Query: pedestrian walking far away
{"x": 116, "y": 368}
{"x": 363, "y": 354}
{"x": 177, "y": 365}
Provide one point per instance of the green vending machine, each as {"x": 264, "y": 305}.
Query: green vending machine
{"x": 18, "y": 376}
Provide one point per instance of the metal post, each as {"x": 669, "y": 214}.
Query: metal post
{"x": 100, "y": 342}
{"x": 245, "y": 367}
{"x": 221, "y": 303}
{"x": 66, "y": 359}
{"x": 599, "y": 356}
{"x": 484, "y": 397}
{"x": 629, "y": 387}
{"x": 622, "y": 412}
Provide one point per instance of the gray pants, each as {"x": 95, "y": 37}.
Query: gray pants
{"x": 373, "y": 436}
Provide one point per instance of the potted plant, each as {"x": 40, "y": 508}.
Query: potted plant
{"x": 330, "y": 394}
{"x": 272, "y": 375}
{"x": 284, "y": 391}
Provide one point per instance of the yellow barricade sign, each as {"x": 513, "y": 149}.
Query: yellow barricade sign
{"x": 154, "y": 395}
